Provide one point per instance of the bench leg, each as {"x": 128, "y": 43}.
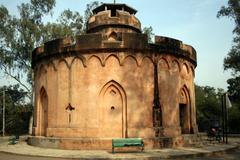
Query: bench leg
{"x": 112, "y": 149}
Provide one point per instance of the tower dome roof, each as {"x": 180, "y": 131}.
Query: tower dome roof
{"x": 120, "y": 17}
{"x": 110, "y": 6}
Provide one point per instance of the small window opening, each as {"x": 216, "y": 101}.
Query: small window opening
{"x": 113, "y": 13}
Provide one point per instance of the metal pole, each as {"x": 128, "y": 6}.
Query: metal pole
{"x": 226, "y": 112}
{"x": 3, "y": 127}
{"x": 223, "y": 119}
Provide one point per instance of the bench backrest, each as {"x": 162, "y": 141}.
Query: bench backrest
{"x": 127, "y": 141}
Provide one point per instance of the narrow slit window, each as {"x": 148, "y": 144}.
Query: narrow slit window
{"x": 113, "y": 13}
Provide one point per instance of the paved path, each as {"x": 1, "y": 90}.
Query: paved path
{"x": 23, "y": 151}
{"x": 232, "y": 155}
{"x": 9, "y": 156}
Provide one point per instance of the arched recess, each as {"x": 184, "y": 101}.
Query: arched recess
{"x": 39, "y": 81}
{"x": 185, "y": 69}
{"x": 111, "y": 59}
{"x": 94, "y": 58}
{"x": 113, "y": 110}
{"x": 184, "y": 110}
{"x": 79, "y": 59}
{"x": 41, "y": 71}
{"x": 175, "y": 67}
{"x": 130, "y": 58}
{"x": 147, "y": 61}
{"x": 163, "y": 64}
{"x": 43, "y": 112}
{"x": 193, "y": 71}
{"x": 52, "y": 64}
{"x": 64, "y": 61}
{"x": 62, "y": 92}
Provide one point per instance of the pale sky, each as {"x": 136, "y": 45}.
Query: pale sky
{"x": 192, "y": 21}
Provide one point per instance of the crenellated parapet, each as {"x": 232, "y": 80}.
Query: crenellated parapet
{"x": 117, "y": 42}
{"x": 174, "y": 46}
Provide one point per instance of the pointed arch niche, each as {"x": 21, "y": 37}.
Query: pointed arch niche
{"x": 184, "y": 110}
{"x": 43, "y": 112}
{"x": 113, "y": 110}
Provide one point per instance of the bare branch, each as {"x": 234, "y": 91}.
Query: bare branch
{"x": 16, "y": 79}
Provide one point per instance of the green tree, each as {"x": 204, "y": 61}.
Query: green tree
{"x": 88, "y": 12}
{"x": 234, "y": 118}
{"x": 232, "y": 61}
{"x": 208, "y": 104}
{"x": 19, "y": 35}
{"x": 17, "y": 111}
{"x": 149, "y": 32}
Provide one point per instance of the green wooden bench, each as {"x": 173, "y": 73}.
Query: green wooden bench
{"x": 127, "y": 142}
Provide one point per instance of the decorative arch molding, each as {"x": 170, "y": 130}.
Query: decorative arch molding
{"x": 184, "y": 96}
{"x": 187, "y": 67}
{"x": 181, "y": 62}
{"x": 138, "y": 58}
{"x": 163, "y": 63}
{"x": 132, "y": 57}
{"x": 81, "y": 58}
{"x": 175, "y": 66}
{"x": 112, "y": 83}
{"x": 64, "y": 61}
{"x": 111, "y": 55}
{"x": 113, "y": 88}
{"x": 185, "y": 70}
{"x": 193, "y": 71}
{"x": 41, "y": 69}
{"x": 100, "y": 59}
{"x": 51, "y": 63}
{"x": 146, "y": 58}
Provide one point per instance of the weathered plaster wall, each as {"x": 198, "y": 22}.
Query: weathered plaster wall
{"x": 123, "y": 81}
{"x": 103, "y": 84}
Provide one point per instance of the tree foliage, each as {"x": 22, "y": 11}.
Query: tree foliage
{"x": 19, "y": 35}
{"x": 234, "y": 118}
{"x": 149, "y": 32}
{"x": 88, "y": 12}
{"x": 17, "y": 112}
{"x": 208, "y": 104}
{"x": 232, "y": 61}
{"x": 209, "y": 107}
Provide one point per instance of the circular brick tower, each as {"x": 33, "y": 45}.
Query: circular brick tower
{"x": 111, "y": 83}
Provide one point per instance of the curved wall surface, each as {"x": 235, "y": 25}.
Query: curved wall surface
{"x": 100, "y": 86}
